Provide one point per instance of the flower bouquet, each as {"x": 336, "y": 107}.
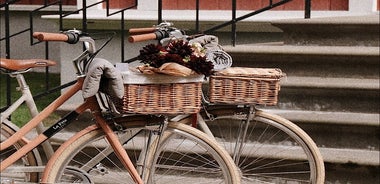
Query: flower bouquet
{"x": 178, "y": 58}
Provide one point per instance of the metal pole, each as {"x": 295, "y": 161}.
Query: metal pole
{"x": 7, "y": 51}
{"x": 307, "y": 9}
{"x": 197, "y": 16}
{"x": 233, "y": 25}
{"x": 84, "y": 19}
{"x": 159, "y": 12}
{"x": 60, "y": 16}
{"x": 122, "y": 35}
{"x": 47, "y": 83}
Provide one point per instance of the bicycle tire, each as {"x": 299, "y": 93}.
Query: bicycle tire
{"x": 75, "y": 154}
{"x": 271, "y": 148}
{"x": 28, "y": 160}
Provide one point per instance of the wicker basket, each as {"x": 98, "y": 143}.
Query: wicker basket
{"x": 153, "y": 94}
{"x": 237, "y": 85}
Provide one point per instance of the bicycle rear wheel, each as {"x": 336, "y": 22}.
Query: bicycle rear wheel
{"x": 268, "y": 148}
{"x": 12, "y": 175}
{"x": 89, "y": 155}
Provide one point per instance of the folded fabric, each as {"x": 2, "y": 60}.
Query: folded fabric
{"x": 209, "y": 42}
{"x": 174, "y": 69}
{"x": 102, "y": 76}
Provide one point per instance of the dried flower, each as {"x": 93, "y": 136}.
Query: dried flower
{"x": 177, "y": 51}
{"x": 152, "y": 54}
{"x": 179, "y": 47}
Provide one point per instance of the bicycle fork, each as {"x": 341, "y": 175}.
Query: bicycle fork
{"x": 243, "y": 128}
{"x": 241, "y": 136}
{"x": 154, "y": 141}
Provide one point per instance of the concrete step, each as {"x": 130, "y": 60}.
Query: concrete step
{"x": 324, "y": 61}
{"x": 348, "y": 30}
{"x": 281, "y": 48}
{"x": 351, "y": 156}
{"x": 325, "y": 117}
{"x": 331, "y": 83}
{"x": 329, "y": 94}
{"x": 351, "y": 165}
{"x": 339, "y": 130}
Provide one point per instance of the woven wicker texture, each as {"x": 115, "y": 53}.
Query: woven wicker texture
{"x": 175, "y": 98}
{"x": 237, "y": 85}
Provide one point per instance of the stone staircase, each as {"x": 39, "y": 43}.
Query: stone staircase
{"x": 331, "y": 89}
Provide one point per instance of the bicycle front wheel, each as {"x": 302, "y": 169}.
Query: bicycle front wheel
{"x": 187, "y": 155}
{"x": 90, "y": 160}
{"x": 268, "y": 148}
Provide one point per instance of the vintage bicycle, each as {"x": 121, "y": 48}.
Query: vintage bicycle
{"x": 126, "y": 148}
{"x": 266, "y": 148}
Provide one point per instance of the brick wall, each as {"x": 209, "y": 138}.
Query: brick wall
{"x": 254, "y": 4}
{"x": 122, "y": 3}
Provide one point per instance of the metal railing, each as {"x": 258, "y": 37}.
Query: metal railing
{"x": 62, "y": 14}
{"x": 83, "y": 10}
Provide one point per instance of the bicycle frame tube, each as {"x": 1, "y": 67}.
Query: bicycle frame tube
{"x": 13, "y": 107}
{"x": 27, "y": 97}
{"x": 32, "y": 124}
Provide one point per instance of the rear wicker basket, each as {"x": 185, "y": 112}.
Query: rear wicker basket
{"x": 238, "y": 85}
{"x": 160, "y": 94}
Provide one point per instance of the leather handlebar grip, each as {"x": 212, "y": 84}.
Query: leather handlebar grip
{"x": 134, "y": 31}
{"x": 142, "y": 37}
{"x": 43, "y": 36}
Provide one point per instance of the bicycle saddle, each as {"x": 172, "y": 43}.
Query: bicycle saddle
{"x": 24, "y": 64}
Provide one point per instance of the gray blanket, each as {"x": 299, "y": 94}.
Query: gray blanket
{"x": 209, "y": 42}
{"x": 102, "y": 76}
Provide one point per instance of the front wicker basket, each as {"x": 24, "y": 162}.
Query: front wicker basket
{"x": 245, "y": 86}
{"x": 158, "y": 97}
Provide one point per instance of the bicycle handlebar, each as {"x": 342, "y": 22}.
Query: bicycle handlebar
{"x": 134, "y": 31}
{"x": 73, "y": 37}
{"x": 157, "y": 35}
{"x": 142, "y": 37}
{"x": 68, "y": 37}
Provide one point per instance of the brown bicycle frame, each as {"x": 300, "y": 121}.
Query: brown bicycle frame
{"x": 90, "y": 103}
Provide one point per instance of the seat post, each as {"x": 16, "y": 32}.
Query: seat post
{"x": 21, "y": 81}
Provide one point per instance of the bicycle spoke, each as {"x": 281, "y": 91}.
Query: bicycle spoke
{"x": 268, "y": 150}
